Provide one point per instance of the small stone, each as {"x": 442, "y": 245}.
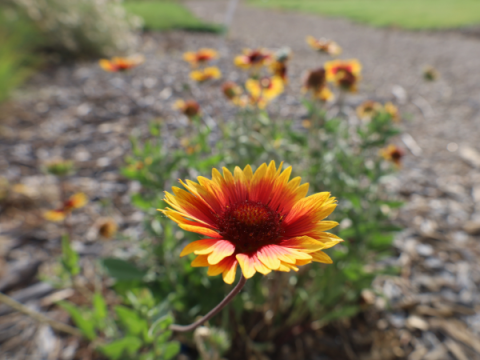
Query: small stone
{"x": 416, "y": 322}
{"x": 472, "y": 227}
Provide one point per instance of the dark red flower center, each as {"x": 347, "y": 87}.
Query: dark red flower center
{"x": 316, "y": 79}
{"x": 203, "y": 57}
{"x": 396, "y": 155}
{"x": 250, "y": 225}
{"x": 256, "y": 57}
{"x": 345, "y": 77}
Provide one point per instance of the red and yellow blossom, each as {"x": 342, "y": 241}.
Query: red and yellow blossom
{"x": 323, "y": 45}
{"x": 392, "y": 110}
{"x": 75, "y": 201}
{"x": 344, "y": 73}
{"x": 267, "y": 87}
{"x": 121, "y": 63}
{"x": 201, "y": 56}
{"x": 253, "y": 58}
{"x": 315, "y": 83}
{"x": 261, "y": 221}
{"x": 209, "y": 73}
{"x": 189, "y": 108}
{"x": 368, "y": 109}
{"x": 279, "y": 69}
{"x": 393, "y": 153}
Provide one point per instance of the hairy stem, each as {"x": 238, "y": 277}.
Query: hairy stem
{"x": 214, "y": 311}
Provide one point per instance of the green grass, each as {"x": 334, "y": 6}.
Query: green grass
{"x": 409, "y": 14}
{"x": 18, "y": 39}
{"x": 167, "y": 15}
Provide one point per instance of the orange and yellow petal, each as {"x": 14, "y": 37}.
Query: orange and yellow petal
{"x": 199, "y": 247}
{"x": 54, "y": 215}
{"x": 78, "y": 200}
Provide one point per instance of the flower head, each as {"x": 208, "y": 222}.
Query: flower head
{"x": 209, "y": 73}
{"x": 315, "y": 83}
{"x": 200, "y": 57}
{"x": 260, "y": 221}
{"x": 344, "y": 73}
{"x": 323, "y": 45}
{"x": 279, "y": 69}
{"x": 107, "y": 228}
{"x": 75, "y": 201}
{"x": 121, "y": 63}
{"x": 267, "y": 87}
{"x": 253, "y": 58}
{"x": 392, "y": 110}
{"x": 393, "y": 153}
{"x": 231, "y": 90}
{"x": 189, "y": 108}
{"x": 368, "y": 109}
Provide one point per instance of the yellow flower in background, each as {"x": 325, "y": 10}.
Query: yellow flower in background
{"x": 209, "y": 73}
{"x": 393, "y": 153}
{"x": 201, "y": 56}
{"x": 260, "y": 221}
{"x": 279, "y": 66}
{"x": 268, "y": 87}
{"x": 253, "y": 58}
{"x": 325, "y": 94}
{"x": 344, "y": 73}
{"x": 189, "y": 108}
{"x": 327, "y": 46}
{"x": 279, "y": 69}
{"x": 75, "y": 201}
{"x": 392, "y": 110}
{"x": 121, "y": 63}
{"x": 368, "y": 109}
{"x": 315, "y": 82}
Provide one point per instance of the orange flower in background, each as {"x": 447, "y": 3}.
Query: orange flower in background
{"x": 209, "y": 73}
{"x": 200, "y": 57}
{"x": 120, "y": 63}
{"x": 268, "y": 87}
{"x": 75, "y": 201}
{"x": 315, "y": 82}
{"x": 323, "y": 45}
{"x": 189, "y": 108}
{"x": 344, "y": 73}
{"x": 253, "y": 58}
{"x": 260, "y": 221}
{"x": 368, "y": 109}
{"x": 393, "y": 153}
{"x": 392, "y": 110}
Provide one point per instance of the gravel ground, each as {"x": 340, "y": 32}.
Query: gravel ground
{"x": 81, "y": 113}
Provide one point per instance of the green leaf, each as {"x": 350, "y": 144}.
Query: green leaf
{"x": 344, "y": 312}
{"x": 131, "y": 321}
{"x": 169, "y": 350}
{"x": 69, "y": 257}
{"x": 140, "y": 202}
{"x": 81, "y": 319}
{"x": 122, "y": 270}
{"x": 116, "y": 349}
{"x": 100, "y": 307}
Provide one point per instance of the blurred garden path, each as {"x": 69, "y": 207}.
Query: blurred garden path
{"x": 442, "y": 112}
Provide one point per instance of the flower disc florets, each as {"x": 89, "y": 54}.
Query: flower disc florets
{"x": 249, "y": 225}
